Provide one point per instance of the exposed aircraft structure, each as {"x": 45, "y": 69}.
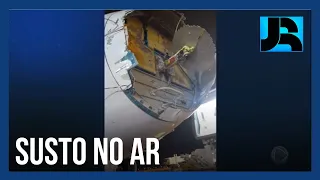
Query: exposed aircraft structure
{"x": 158, "y": 71}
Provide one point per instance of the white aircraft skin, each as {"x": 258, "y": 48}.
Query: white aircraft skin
{"x": 123, "y": 118}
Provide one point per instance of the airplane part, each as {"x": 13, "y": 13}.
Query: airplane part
{"x": 200, "y": 65}
{"x": 158, "y": 71}
{"x": 205, "y": 120}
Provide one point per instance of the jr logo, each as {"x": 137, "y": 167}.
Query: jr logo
{"x": 281, "y": 34}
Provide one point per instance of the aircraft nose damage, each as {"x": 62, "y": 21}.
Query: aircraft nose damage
{"x": 158, "y": 71}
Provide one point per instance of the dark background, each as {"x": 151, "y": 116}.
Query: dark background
{"x": 264, "y": 99}
{"x": 56, "y": 88}
{"x": 56, "y": 80}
